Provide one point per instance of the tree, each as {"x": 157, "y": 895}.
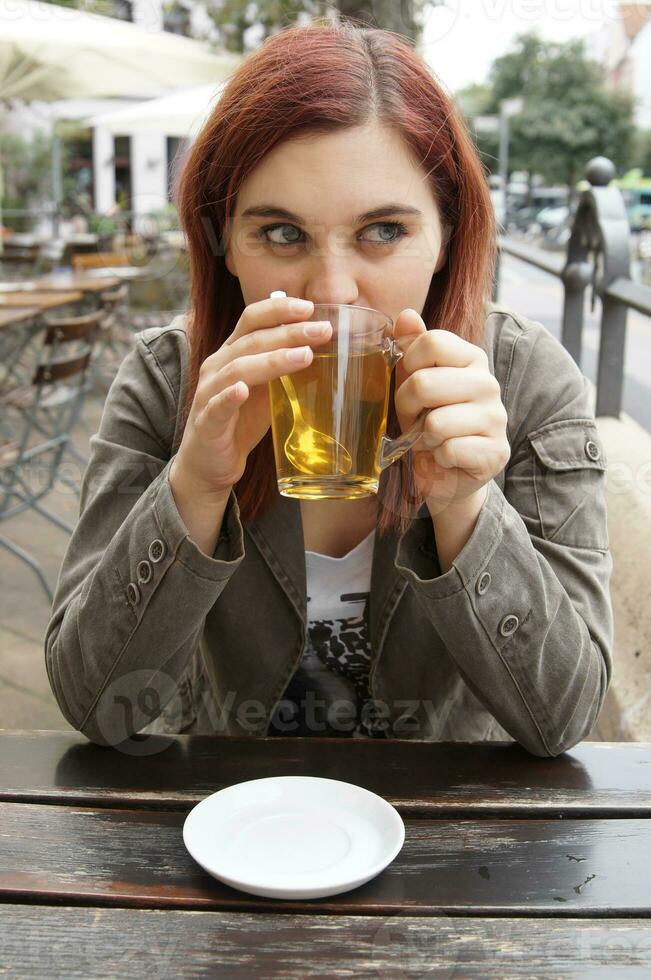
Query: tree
{"x": 26, "y": 167}
{"x": 569, "y": 115}
{"x": 400, "y": 16}
{"x": 642, "y": 151}
{"x": 104, "y": 7}
{"x": 234, "y": 18}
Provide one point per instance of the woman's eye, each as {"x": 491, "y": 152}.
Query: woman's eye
{"x": 265, "y": 232}
{"x": 395, "y": 230}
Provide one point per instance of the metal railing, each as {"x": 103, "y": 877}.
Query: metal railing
{"x": 598, "y": 255}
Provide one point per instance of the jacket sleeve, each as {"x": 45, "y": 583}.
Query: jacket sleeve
{"x": 133, "y": 590}
{"x": 525, "y": 609}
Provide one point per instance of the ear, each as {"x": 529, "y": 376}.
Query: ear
{"x": 228, "y": 259}
{"x": 442, "y": 259}
{"x": 443, "y": 252}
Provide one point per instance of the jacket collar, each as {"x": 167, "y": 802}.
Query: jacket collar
{"x": 278, "y": 535}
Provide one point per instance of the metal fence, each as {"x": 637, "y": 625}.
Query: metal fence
{"x": 598, "y": 256}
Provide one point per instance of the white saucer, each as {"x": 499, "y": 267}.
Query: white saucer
{"x": 294, "y": 836}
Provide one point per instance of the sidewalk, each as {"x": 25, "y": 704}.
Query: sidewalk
{"x": 626, "y": 714}
{"x": 26, "y": 700}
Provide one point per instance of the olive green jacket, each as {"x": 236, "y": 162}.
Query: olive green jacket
{"x": 148, "y": 634}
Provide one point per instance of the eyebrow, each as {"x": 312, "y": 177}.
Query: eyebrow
{"x": 272, "y": 211}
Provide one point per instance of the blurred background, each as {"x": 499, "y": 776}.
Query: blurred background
{"x": 99, "y": 102}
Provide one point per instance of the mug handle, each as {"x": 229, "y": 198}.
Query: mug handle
{"x": 392, "y": 449}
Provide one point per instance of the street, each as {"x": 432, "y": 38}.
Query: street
{"x": 539, "y": 296}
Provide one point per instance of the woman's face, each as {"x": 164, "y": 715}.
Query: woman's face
{"x": 326, "y": 247}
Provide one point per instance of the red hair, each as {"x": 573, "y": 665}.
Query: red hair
{"x": 345, "y": 77}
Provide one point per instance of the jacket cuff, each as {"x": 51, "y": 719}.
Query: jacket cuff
{"x": 417, "y": 558}
{"x": 229, "y": 550}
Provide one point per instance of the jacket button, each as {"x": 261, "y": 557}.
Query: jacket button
{"x": 156, "y": 550}
{"x": 592, "y": 450}
{"x": 483, "y": 582}
{"x": 145, "y": 573}
{"x": 133, "y": 593}
{"x": 373, "y": 718}
{"x": 509, "y": 625}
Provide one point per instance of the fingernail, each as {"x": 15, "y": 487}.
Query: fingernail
{"x": 300, "y": 305}
{"x": 298, "y": 355}
{"x": 316, "y": 329}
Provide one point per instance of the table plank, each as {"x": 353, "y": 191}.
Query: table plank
{"x": 16, "y": 285}
{"x": 120, "y": 272}
{"x": 66, "y": 281}
{"x": 46, "y": 941}
{"x": 419, "y": 778}
{"x": 17, "y": 314}
{"x": 42, "y": 300}
{"x": 472, "y": 867}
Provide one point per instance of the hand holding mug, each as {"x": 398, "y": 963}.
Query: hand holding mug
{"x": 464, "y": 442}
{"x": 230, "y": 410}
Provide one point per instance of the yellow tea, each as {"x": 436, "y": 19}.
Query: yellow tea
{"x": 327, "y": 423}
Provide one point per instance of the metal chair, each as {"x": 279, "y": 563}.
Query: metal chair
{"x": 115, "y": 339}
{"x": 17, "y": 353}
{"x": 20, "y": 261}
{"x": 43, "y": 414}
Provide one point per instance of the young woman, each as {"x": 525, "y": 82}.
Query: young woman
{"x": 469, "y": 598}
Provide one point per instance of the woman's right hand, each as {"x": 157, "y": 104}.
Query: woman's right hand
{"x": 230, "y": 411}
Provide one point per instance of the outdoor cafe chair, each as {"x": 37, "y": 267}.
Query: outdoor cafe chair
{"x": 20, "y": 261}
{"x": 99, "y": 260}
{"x": 42, "y": 415}
{"x": 17, "y": 354}
{"x": 115, "y": 338}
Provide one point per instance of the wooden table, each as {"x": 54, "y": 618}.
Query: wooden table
{"x": 17, "y": 314}
{"x": 93, "y": 281}
{"x": 66, "y": 281}
{"x": 121, "y": 272}
{"x": 513, "y": 866}
{"x": 41, "y": 300}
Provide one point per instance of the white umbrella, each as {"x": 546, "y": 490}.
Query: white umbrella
{"x": 50, "y": 52}
{"x": 179, "y": 114}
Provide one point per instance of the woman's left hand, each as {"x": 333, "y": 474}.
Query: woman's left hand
{"x": 464, "y": 443}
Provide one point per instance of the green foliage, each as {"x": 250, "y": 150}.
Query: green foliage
{"x": 26, "y": 171}
{"x": 558, "y": 143}
{"x": 641, "y": 156}
{"x": 233, "y": 18}
{"x": 569, "y": 115}
{"x": 476, "y": 100}
{"x": 102, "y": 224}
{"x": 104, "y": 7}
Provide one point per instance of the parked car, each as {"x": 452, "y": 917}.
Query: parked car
{"x": 524, "y": 210}
{"x": 553, "y": 217}
{"x": 638, "y": 205}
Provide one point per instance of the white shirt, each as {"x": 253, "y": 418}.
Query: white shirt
{"x": 330, "y": 685}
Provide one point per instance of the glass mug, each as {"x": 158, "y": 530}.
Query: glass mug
{"x": 328, "y": 420}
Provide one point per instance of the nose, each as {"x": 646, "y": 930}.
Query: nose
{"x": 331, "y": 278}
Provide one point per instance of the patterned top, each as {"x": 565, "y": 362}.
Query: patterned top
{"x": 328, "y": 693}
